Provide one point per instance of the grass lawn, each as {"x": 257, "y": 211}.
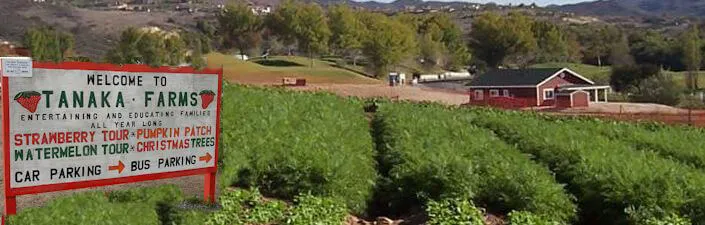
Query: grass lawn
{"x": 601, "y": 75}
{"x": 278, "y": 67}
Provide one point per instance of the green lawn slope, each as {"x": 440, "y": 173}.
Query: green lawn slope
{"x": 275, "y": 68}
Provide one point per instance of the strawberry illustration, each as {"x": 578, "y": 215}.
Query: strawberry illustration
{"x": 207, "y": 97}
{"x": 29, "y": 100}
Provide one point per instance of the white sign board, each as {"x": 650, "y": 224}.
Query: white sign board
{"x": 16, "y": 66}
{"x": 70, "y": 126}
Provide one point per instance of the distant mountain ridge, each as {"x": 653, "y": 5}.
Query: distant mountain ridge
{"x": 638, "y": 8}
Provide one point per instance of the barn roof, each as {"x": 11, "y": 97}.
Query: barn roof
{"x": 518, "y": 77}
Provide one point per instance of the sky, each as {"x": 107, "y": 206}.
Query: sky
{"x": 538, "y": 2}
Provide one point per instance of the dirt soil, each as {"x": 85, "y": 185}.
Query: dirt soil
{"x": 624, "y": 107}
{"x": 399, "y": 93}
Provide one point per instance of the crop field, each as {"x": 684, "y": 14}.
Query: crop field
{"x": 304, "y": 158}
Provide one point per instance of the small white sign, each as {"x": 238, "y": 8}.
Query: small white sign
{"x": 16, "y": 66}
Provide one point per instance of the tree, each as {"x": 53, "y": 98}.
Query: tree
{"x": 659, "y": 88}
{"x": 650, "y": 47}
{"x": 494, "y": 37}
{"x": 596, "y": 40}
{"x": 205, "y": 28}
{"x": 431, "y": 51}
{"x": 240, "y": 27}
{"x": 627, "y": 77}
{"x": 153, "y": 47}
{"x": 48, "y": 44}
{"x": 346, "y": 31}
{"x": 387, "y": 42}
{"x": 620, "y": 54}
{"x": 552, "y": 45}
{"x": 312, "y": 33}
{"x": 443, "y": 29}
{"x": 692, "y": 57}
{"x": 284, "y": 22}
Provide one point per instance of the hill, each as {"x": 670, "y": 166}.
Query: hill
{"x": 638, "y": 8}
{"x": 95, "y": 31}
{"x": 275, "y": 68}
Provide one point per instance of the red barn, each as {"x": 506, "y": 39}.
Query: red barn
{"x": 550, "y": 87}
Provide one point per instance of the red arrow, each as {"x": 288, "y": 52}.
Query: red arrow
{"x": 119, "y": 167}
{"x": 206, "y": 157}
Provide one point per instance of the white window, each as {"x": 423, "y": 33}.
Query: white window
{"x": 479, "y": 95}
{"x": 494, "y": 93}
{"x": 505, "y": 93}
{"x": 548, "y": 94}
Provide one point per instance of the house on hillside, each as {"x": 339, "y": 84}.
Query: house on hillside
{"x": 545, "y": 87}
{"x": 9, "y": 49}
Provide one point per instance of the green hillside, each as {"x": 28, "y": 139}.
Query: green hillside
{"x": 601, "y": 75}
{"x": 275, "y": 68}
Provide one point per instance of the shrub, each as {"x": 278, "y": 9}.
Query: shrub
{"x": 527, "y": 218}
{"x": 249, "y": 207}
{"x": 453, "y": 211}
{"x": 87, "y": 208}
{"x": 148, "y": 195}
{"x": 314, "y": 210}
{"x": 288, "y": 143}
{"x": 654, "y": 216}
{"x": 428, "y": 152}
{"x": 657, "y": 89}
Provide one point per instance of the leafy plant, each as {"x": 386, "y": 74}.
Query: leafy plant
{"x": 286, "y": 143}
{"x": 87, "y": 208}
{"x": 311, "y": 210}
{"x": 606, "y": 175}
{"x": 528, "y": 218}
{"x": 455, "y": 211}
{"x": 247, "y": 207}
{"x": 430, "y": 152}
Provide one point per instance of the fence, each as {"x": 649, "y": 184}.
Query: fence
{"x": 503, "y": 102}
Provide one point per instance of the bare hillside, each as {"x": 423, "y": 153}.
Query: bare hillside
{"x": 95, "y": 31}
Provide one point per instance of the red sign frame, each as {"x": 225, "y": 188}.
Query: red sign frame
{"x": 209, "y": 172}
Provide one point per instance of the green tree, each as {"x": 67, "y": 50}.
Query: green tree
{"x": 153, "y": 47}
{"x": 346, "y": 31}
{"x": 620, "y": 53}
{"x": 387, "y": 43}
{"x": 240, "y": 27}
{"x": 284, "y": 22}
{"x": 431, "y": 47}
{"x": 312, "y": 32}
{"x": 443, "y": 29}
{"x": 494, "y": 37}
{"x": 659, "y": 88}
{"x": 626, "y": 77}
{"x": 692, "y": 55}
{"x": 650, "y": 47}
{"x": 205, "y": 28}
{"x": 551, "y": 42}
{"x": 48, "y": 44}
{"x": 597, "y": 40}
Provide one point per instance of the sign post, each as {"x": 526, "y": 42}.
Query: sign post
{"x": 78, "y": 125}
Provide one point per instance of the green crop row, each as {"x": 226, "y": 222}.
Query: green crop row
{"x": 250, "y": 207}
{"x": 287, "y": 143}
{"x": 607, "y": 176}
{"x": 140, "y": 206}
{"x": 680, "y": 143}
{"x": 429, "y": 152}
